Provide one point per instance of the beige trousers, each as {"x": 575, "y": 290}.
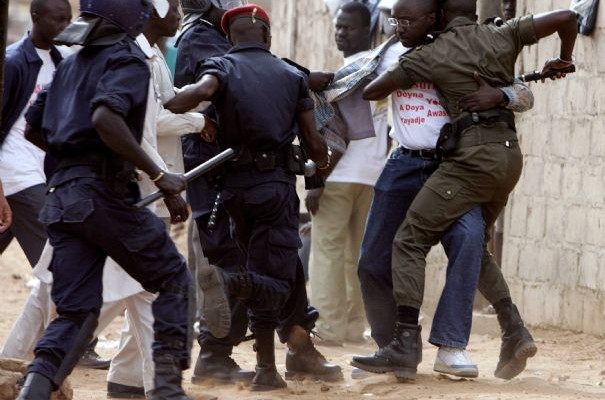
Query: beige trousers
{"x": 336, "y": 234}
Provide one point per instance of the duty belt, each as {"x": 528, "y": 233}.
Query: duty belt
{"x": 479, "y": 136}
{"x": 468, "y": 119}
{"x": 263, "y": 160}
{"x": 88, "y": 159}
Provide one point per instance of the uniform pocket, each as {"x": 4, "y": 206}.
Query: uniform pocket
{"x": 50, "y": 214}
{"x": 78, "y": 212}
{"x": 446, "y": 190}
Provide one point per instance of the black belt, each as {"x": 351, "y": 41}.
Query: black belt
{"x": 89, "y": 159}
{"x": 469, "y": 119}
{"x": 246, "y": 158}
{"x": 425, "y": 154}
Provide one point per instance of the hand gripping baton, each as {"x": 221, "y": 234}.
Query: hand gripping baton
{"x": 191, "y": 175}
{"x": 537, "y": 75}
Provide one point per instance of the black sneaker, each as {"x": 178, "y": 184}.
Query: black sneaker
{"x": 90, "y": 359}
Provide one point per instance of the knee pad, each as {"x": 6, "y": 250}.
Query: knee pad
{"x": 87, "y": 324}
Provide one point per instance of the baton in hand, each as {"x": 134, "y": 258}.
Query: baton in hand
{"x": 538, "y": 75}
{"x": 191, "y": 175}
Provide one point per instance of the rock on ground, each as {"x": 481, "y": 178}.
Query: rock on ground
{"x": 11, "y": 371}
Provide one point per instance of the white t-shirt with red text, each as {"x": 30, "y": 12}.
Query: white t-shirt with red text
{"x": 364, "y": 159}
{"x": 417, "y": 112}
{"x": 21, "y": 162}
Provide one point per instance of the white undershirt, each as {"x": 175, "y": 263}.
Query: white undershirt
{"x": 364, "y": 159}
{"x": 21, "y": 162}
{"x": 417, "y": 112}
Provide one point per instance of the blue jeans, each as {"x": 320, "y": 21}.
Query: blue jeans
{"x": 400, "y": 181}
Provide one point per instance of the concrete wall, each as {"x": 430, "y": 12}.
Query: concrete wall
{"x": 554, "y": 243}
{"x": 554, "y": 234}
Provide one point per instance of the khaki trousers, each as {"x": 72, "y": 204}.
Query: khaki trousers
{"x": 336, "y": 235}
{"x": 483, "y": 170}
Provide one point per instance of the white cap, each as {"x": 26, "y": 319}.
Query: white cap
{"x": 161, "y": 7}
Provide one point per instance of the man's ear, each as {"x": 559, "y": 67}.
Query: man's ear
{"x": 35, "y": 17}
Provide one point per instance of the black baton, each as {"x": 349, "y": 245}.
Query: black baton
{"x": 191, "y": 175}
{"x": 537, "y": 75}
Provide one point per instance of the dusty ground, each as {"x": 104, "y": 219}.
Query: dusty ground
{"x": 567, "y": 366}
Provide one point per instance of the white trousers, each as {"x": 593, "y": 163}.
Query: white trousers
{"x": 133, "y": 363}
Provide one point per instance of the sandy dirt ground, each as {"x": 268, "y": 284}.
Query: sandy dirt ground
{"x": 567, "y": 366}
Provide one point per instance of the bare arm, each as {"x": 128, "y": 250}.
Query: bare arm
{"x": 565, "y": 23}
{"x": 193, "y": 95}
{"x": 315, "y": 145}
{"x": 380, "y": 87}
{"x": 115, "y": 133}
{"x": 35, "y": 136}
{"x": 520, "y": 98}
{"x": 6, "y": 216}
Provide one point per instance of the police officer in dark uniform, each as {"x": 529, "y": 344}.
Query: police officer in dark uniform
{"x": 262, "y": 104}
{"x": 201, "y": 38}
{"x": 91, "y": 120}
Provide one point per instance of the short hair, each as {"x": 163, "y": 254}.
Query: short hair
{"x": 354, "y": 7}
{"x": 38, "y": 6}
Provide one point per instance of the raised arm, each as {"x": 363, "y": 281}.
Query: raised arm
{"x": 565, "y": 23}
{"x": 194, "y": 94}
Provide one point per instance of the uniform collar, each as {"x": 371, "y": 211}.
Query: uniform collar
{"x": 460, "y": 21}
{"x": 31, "y": 55}
{"x": 248, "y": 46}
{"x": 145, "y": 46}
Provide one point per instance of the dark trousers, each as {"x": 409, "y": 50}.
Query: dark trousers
{"x": 85, "y": 224}
{"x": 266, "y": 220}
{"x": 26, "y": 228}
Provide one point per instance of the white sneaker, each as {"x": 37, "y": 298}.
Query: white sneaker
{"x": 454, "y": 361}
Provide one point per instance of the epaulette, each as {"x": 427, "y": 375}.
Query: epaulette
{"x": 494, "y": 20}
{"x": 432, "y": 36}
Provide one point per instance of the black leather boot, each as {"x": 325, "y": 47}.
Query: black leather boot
{"x": 267, "y": 377}
{"x": 35, "y": 387}
{"x": 211, "y": 366}
{"x": 517, "y": 343}
{"x": 167, "y": 380}
{"x": 401, "y": 356}
{"x": 303, "y": 360}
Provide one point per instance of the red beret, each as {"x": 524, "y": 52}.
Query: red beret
{"x": 253, "y": 11}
